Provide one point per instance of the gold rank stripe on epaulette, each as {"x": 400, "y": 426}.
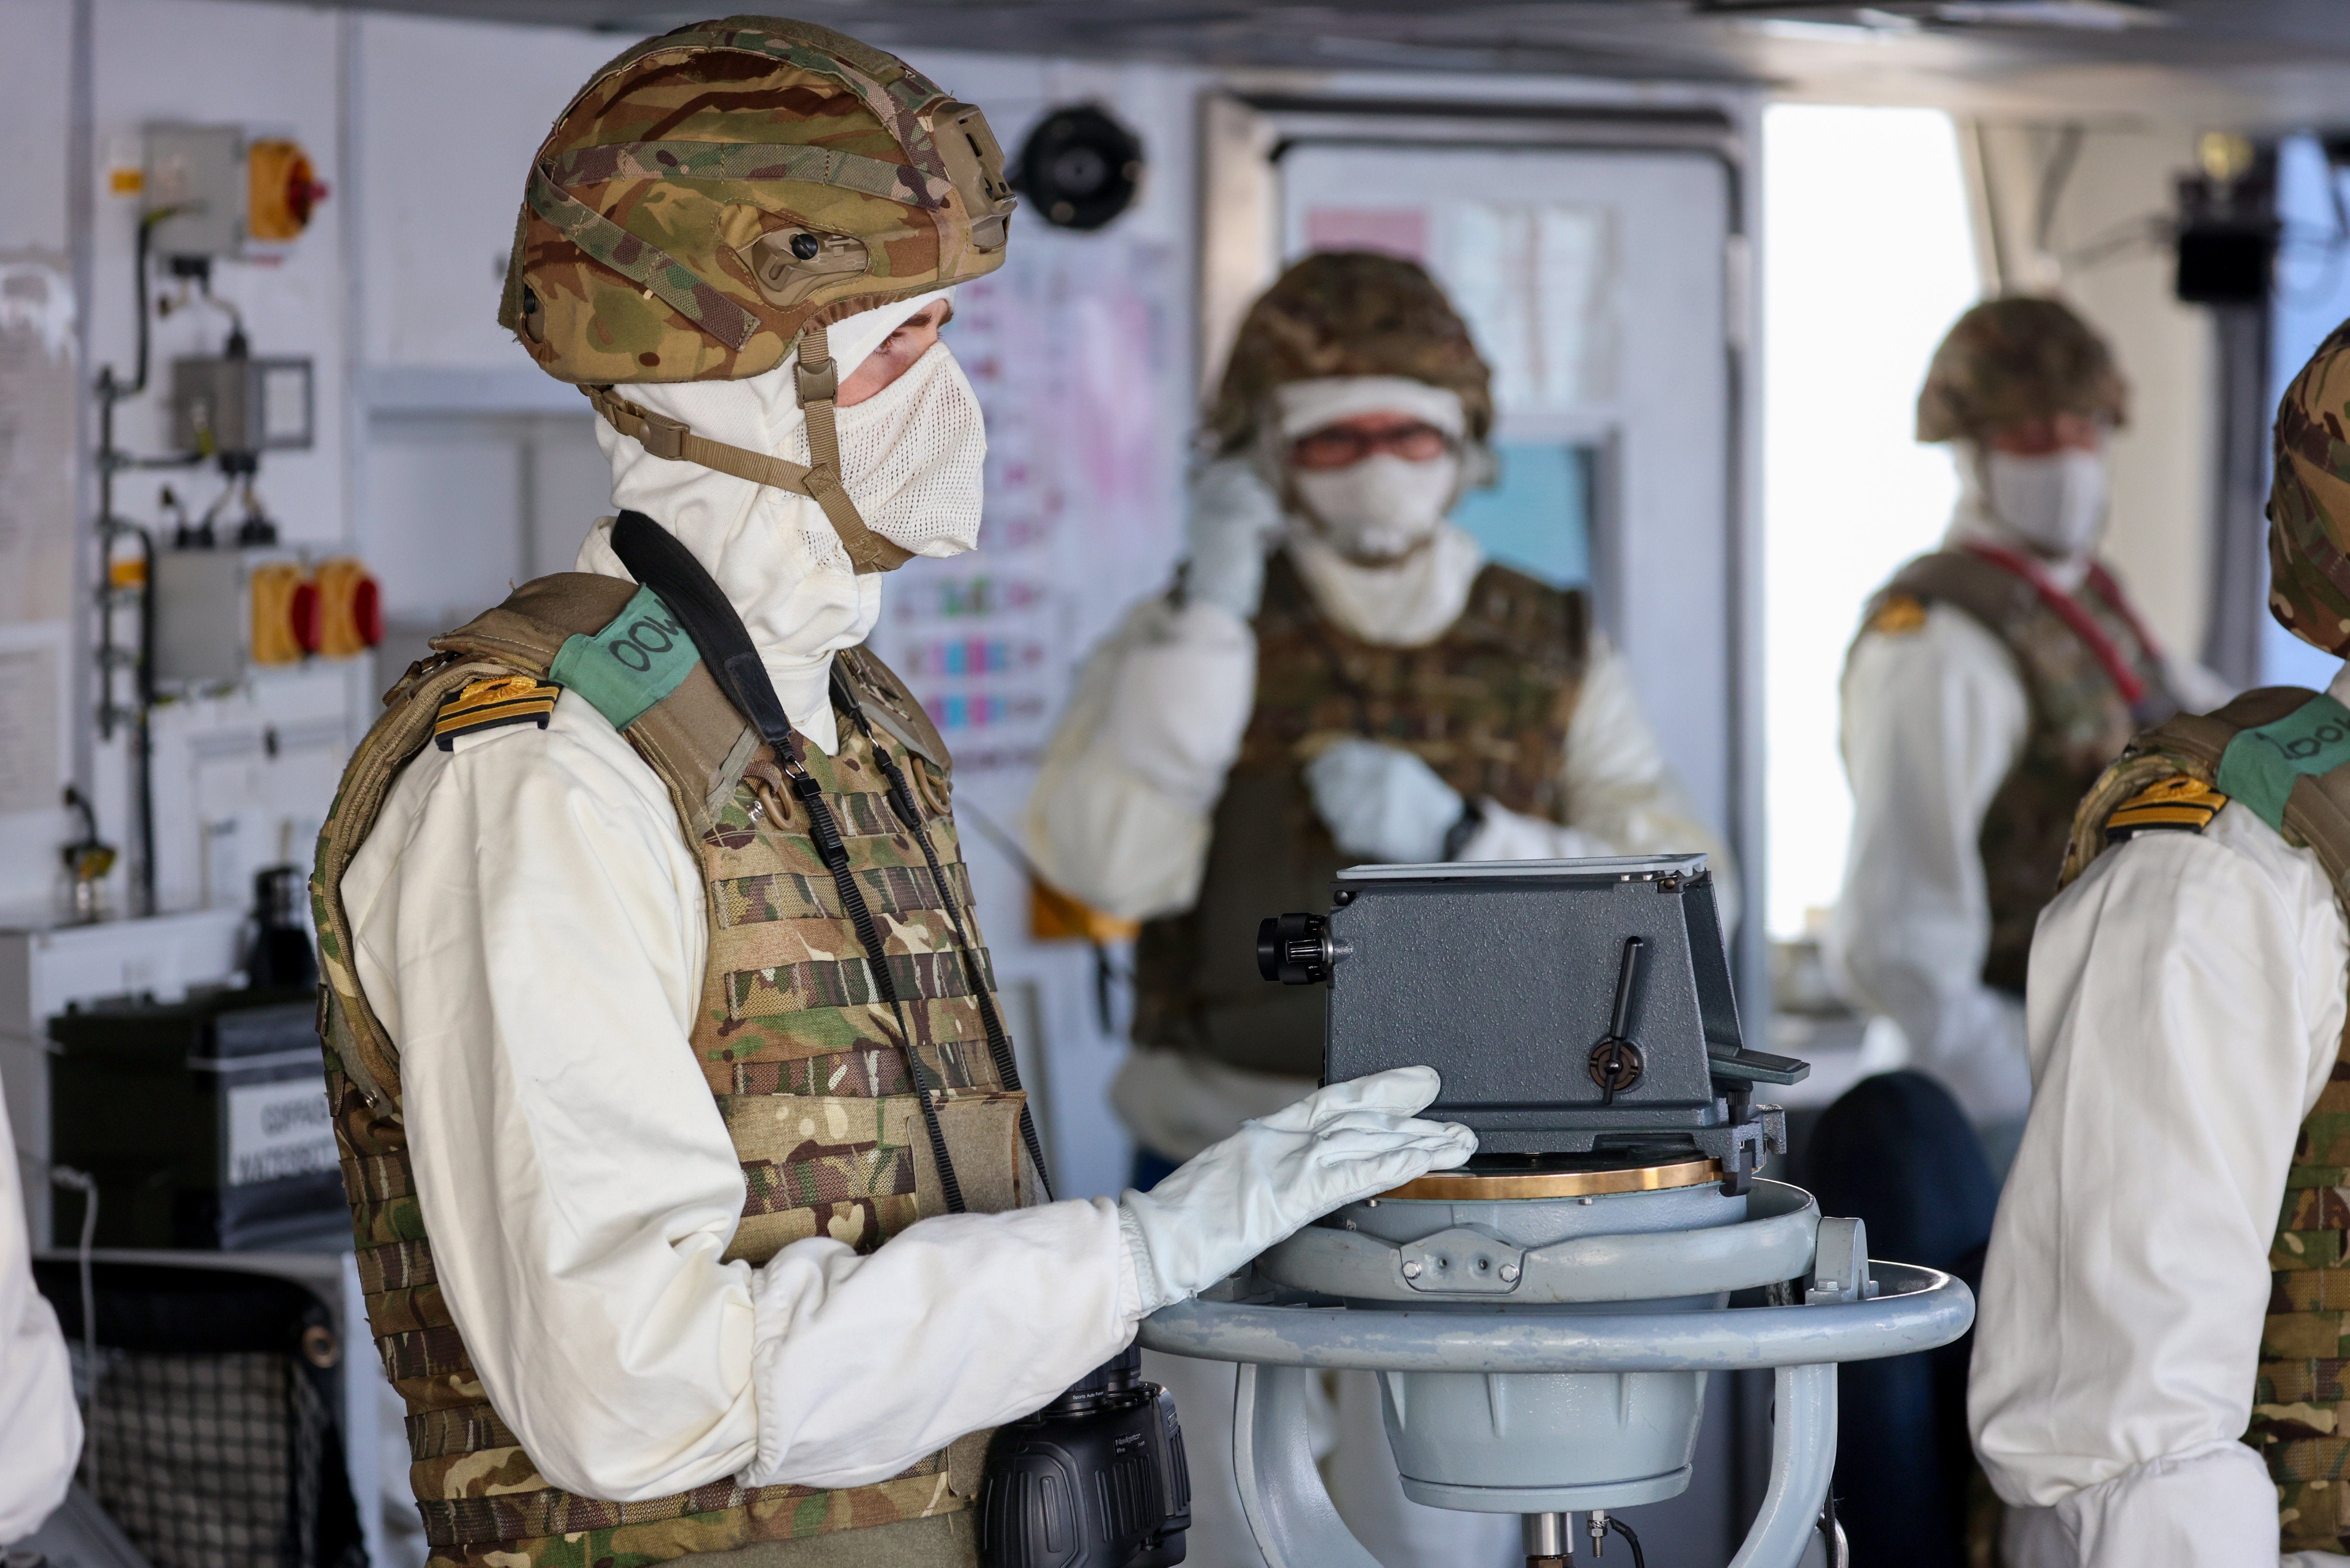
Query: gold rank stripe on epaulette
{"x": 1898, "y": 615}
{"x": 487, "y": 704}
{"x": 2180, "y": 805}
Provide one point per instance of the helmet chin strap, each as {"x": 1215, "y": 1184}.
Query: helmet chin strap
{"x": 818, "y": 384}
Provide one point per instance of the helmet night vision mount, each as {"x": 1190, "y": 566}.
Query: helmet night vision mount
{"x": 1543, "y": 1320}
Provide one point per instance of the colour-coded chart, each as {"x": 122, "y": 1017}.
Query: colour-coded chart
{"x": 958, "y": 711}
{"x": 971, "y": 656}
{"x": 982, "y": 594}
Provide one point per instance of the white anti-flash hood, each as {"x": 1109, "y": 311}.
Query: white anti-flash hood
{"x": 773, "y": 552}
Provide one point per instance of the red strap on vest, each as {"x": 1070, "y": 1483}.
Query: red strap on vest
{"x": 2116, "y": 601}
{"x": 2068, "y": 609}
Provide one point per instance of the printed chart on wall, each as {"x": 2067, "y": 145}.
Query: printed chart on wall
{"x": 1071, "y": 353}
{"x": 37, "y": 394}
{"x": 29, "y": 760}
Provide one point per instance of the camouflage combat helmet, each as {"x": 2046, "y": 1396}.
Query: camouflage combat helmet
{"x": 2309, "y": 501}
{"x": 1348, "y": 312}
{"x": 2011, "y": 361}
{"x": 715, "y": 197}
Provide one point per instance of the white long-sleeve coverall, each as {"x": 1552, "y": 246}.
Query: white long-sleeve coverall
{"x": 2185, "y": 1008}
{"x": 1933, "y": 721}
{"x": 40, "y": 1430}
{"x": 528, "y": 922}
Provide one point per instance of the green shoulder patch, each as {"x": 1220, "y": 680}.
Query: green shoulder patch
{"x": 491, "y": 703}
{"x": 2262, "y": 765}
{"x": 634, "y": 662}
{"x": 2180, "y": 805}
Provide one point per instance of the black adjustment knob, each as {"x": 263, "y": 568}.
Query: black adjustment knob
{"x": 1616, "y": 1064}
{"x": 804, "y": 246}
{"x": 1616, "y": 1061}
{"x": 1294, "y": 948}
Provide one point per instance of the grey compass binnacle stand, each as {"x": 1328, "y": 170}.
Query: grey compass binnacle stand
{"x": 1542, "y": 1322}
{"x": 1545, "y": 1356}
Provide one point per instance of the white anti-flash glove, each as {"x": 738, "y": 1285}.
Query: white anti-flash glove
{"x": 1382, "y": 803}
{"x": 1234, "y": 519}
{"x": 1281, "y": 1173}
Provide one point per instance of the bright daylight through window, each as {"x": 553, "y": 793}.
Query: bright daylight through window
{"x": 1865, "y": 223}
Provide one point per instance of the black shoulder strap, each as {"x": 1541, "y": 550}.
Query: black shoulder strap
{"x": 656, "y": 558}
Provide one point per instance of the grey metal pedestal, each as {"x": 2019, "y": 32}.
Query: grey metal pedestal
{"x": 1281, "y": 1335}
{"x": 1296, "y": 1525}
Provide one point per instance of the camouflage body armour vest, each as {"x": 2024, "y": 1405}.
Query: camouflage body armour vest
{"x": 801, "y": 1053}
{"x": 2081, "y": 718}
{"x": 1486, "y": 705}
{"x": 2265, "y": 750}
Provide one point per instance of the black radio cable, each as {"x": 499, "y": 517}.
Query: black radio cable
{"x": 825, "y": 831}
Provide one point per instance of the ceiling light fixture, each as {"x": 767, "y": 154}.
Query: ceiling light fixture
{"x": 2077, "y": 16}
{"x": 1899, "y": 15}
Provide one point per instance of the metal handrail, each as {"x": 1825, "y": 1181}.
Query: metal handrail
{"x": 1916, "y": 1309}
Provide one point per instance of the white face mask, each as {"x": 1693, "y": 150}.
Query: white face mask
{"x": 2055, "y": 503}
{"x": 912, "y": 456}
{"x": 1382, "y": 508}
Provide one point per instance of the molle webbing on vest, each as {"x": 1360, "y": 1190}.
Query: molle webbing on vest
{"x": 805, "y": 1062}
{"x": 1487, "y": 705}
{"x": 2259, "y": 749}
{"x": 2080, "y": 721}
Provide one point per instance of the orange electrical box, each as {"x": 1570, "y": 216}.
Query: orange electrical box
{"x": 350, "y": 608}
{"x": 285, "y": 627}
{"x": 282, "y": 190}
